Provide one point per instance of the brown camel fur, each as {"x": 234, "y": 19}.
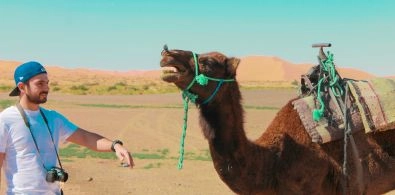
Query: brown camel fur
{"x": 283, "y": 160}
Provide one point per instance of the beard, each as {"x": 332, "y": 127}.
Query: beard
{"x": 37, "y": 99}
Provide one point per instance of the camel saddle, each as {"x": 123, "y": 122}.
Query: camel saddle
{"x": 371, "y": 108}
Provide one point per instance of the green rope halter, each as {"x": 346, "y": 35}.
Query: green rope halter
{"x": 187, "y": 96}
{"x": 329, "y": 69}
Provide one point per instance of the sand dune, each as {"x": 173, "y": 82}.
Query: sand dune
{"x": 251, "y": 68}
{"x": 7, "y": 70}
{"x": 261, "y": 68}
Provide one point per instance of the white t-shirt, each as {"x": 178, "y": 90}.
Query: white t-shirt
{"x": 23, "y": 168}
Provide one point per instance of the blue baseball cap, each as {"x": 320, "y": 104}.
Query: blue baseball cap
{"x": 24, "y": 72}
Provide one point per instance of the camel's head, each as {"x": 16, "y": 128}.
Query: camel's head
{"x": 198, "y": 74}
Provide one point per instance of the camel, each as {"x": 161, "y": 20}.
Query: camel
{"x": 283, "y": 160}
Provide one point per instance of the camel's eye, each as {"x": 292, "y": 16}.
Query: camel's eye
{"x": 207, "y": 65}
{"x": 206, "y": 61}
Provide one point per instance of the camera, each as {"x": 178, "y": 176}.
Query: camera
{"x": 56, "y": 174}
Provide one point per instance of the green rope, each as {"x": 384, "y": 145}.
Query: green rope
{"x": 334, "y": 83}
{"x": 190, "y": 96}
{"x": 184, "y": 132}
{"x": 318, "y": 114}
{"x": 329, "y": 69}
{"x": 202, "y": 79}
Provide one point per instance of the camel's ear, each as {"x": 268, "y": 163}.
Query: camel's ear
{"x": 233, "y": 63}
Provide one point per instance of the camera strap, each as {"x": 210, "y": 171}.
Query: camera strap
{"x": 22, "y": 112}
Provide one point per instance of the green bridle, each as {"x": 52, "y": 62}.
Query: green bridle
{"x": 201, "y": 79}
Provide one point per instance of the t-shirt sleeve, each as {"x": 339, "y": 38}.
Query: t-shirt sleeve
{"x": 64, "y": 126}
{"x": 3, "y": 136}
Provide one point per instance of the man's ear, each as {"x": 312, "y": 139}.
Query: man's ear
{"x": 233, "y": 63}
{"x": 21, "y": 87}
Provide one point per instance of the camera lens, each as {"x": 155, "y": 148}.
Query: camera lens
{"x": 63, "y": 176}
{"x": 51, "y": 176}
{"x": 56, "y": 174}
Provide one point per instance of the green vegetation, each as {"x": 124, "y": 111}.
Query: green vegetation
{"x": 55, "y": 89}
{"x": 6, "y": 88}
{"x": 165, "y": 106}
{"x": 269, "y": 85}
{"x": 117, "y": 88}
{"x": 6, "y": 103}
{"x": 99, "y": 86}
{"x": 260, "y": 107}
{"x": 137, "y": 86}
{"x": 129, "y": 106}
{"x": 153, "y": 165}
{"x": 159, "y": 154}
{"x": 73, "y": 150}
{"x": 204, "y": 155}
{"x": 295, "y": 83}
{"x": 79, "y": 89}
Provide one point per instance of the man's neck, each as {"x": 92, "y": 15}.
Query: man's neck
{"x": 26, "y": 104}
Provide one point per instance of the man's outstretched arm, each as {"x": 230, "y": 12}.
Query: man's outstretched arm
{"x": 99, "y": 143}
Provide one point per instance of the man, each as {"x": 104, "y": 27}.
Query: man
{"x": 30, "y": 135}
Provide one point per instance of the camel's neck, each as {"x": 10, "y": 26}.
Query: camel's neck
{"x": 232, "y": 153}
{"x": 222, "y": 123}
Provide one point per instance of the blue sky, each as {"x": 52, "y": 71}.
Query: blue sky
{"x": 129, "y": 34}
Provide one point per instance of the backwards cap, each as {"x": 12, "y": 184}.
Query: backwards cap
{"x": 24, "y": 72}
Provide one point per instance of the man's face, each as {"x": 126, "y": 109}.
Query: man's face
{"x": 37, "y": 88}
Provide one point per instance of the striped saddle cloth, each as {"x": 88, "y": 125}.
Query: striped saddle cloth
{"x": 372, "y": 109}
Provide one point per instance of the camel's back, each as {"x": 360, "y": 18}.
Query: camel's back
{"x": 287, "y": 122}
{"x": 376, "y": 150}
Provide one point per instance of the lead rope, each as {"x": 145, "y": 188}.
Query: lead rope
{"x": 186, "y": 97}
{"x": 184, "y": 132}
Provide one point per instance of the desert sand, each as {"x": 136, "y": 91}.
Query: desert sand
{"x": 151, "y": 128}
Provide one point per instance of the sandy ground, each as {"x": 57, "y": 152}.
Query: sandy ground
{"x": 151, "y": 128}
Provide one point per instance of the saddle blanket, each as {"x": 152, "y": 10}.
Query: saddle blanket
{"x": 372, "y": 109}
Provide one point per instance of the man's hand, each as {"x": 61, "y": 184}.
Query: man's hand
{"x": 99, "y": 143}
{"x": 123, "y": 155}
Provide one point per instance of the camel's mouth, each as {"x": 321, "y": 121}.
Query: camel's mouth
{"x": 171, "y": 73}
